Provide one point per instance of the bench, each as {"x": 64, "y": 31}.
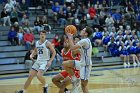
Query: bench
{"x": 7, "y": 61}
{"x": 12, "y": 54}
{"x": 12, "y": 67}
{"x": 4, "y": 43}
{"x": 12, "y": 48}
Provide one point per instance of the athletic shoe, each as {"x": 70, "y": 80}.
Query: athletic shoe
{"x": 45, "y": 89}
{"x": 134, "y": 64}
{"x": 125, "y": 65}
{"x": 128, "y": 64}
{"x": 21, "y": 91}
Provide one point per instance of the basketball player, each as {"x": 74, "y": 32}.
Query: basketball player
{"x": 63, "y": 79}
{"x": 85, "y": 61}
{"x": 42, "y": 49}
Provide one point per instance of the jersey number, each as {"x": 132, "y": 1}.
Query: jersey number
{"x": 40, "y": 51}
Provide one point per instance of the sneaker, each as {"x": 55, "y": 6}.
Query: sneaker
{"x": 139, "y": 64}
{"x": 67, "y": 91}
{"x": 45, "y": 89}
{"x": 125, "y": 65}
{"x": 21, "y": 91}
{"x": 134, "y": 64}
{"x": 128, "y": 64}
{"x": 75, "y": 86}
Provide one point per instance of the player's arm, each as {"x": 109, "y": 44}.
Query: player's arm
{"x": 51, "y": 47}
{"x": 33, "y": 54}
{"x": 75, "y": 52}
{"x": 72, "y": 46}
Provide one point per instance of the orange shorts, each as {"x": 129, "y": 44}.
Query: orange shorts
{"x": 66, "y": 74}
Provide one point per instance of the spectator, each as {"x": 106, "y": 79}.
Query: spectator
{"x": 83, "y": 23}
{"x": 23, "y": 8}
{"x": 132, "y": 51}
{"x": 5, "y": 17}
{"x": 109, "y": 20}
{"x": 116, "y": 16}
{"x": 62, "y": 18}
{"x": 124, "y": 54}
{"x": 12, "y": 36}
{"x": 20, "y": 34}
{"x": 56, "y": 9}
{"x": 14, "y": 16}
{"x": 45, "y": 24}
{"x": 56, "y": 42}
{"x": 38, "y": 24}
{"x": 92, "y": 12}
{"x": 8, "y": 7}
{"x": 28, "y": 39}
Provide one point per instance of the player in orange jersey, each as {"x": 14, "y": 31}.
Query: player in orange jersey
{"x": 63, "y": 79}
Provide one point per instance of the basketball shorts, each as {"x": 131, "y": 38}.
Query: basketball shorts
{"x": 40, "y": 65}
{"x": 85, "y": 72}
{"x": 65, "y": 74}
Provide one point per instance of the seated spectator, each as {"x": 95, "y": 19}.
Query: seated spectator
{"x": 38, "y": 24}
{"x": 56, "y": 9}
{"x": 105, "y": 40}
{"x": 23, "y": 9}
{"x": 132, "y": 51}
{"x": 83, "y": 23}
{"x": 62, "y": 18}
{"x": 97, "y": 37}
{"x": 28, "y": 39}
{"x": 5, "y": 17}
{"x": 8, "y": 7}
{"x": 27, "y": 60}
{"x": 109, "y": 20}
{"x": 124, "y": 54}
{"x": 117, "y": 16}
{"x": 98, "y": 6}
{"x": 45, "y": 25}
{"x": 12, "y": 36}
{"x": 20, "y": 34}
{"x": 92, "y": 12}
{"x": 14, "y": 16}
{"x": 112, "y": 47}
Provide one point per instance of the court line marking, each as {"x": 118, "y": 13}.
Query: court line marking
{"x": 54, "y": 73}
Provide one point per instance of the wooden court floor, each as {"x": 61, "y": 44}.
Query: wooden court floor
{"x": 111, "y": 79}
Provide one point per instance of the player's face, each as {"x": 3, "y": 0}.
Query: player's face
{"x": 66, "y": 44}
{"x": 83, "y": 32}
{"x": 42, "y": 35}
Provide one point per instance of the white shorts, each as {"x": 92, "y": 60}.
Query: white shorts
{"x": 40, "y": 65}
{"x": 77, "y": 64}
{"x": 85, "y": 72}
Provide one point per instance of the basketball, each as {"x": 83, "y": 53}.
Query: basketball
{"x": 71, "y": 29}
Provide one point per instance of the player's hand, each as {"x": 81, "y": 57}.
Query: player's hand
{"x": 31, "y": 58}
{"x": 69, "y": 35}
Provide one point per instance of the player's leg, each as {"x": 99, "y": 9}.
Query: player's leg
{"x": 65, "y": 82}
{"x": 32, "y": 73}
{"x": 40, "y": 77}
{"x": 84, "y": 87}
{"x": 60, "y": 81}
{"x": 84, "y": 75}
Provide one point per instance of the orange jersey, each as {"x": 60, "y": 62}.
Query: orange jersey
{"x": 68, "y": 55}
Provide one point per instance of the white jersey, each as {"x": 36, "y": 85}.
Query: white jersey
{"x": 86, "y": 51}
{"x": 43, "y": 53}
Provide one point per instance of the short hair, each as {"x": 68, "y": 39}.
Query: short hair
{"x": 77, "y": 36}
{"x": 43, "y": 31}
{"x": 89, "y": 30}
